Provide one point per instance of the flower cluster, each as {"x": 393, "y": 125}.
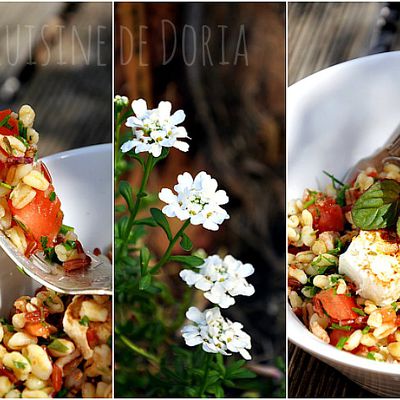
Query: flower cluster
{"x": 196, "y": 199}
{"x": 215, "y": 333}
{"x": 155, "y": 129}
{"x": 221, "y": 279}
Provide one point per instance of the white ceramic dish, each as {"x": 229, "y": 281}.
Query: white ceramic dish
{"x": 83, "y": 181}
{"x": 334, "y": 118}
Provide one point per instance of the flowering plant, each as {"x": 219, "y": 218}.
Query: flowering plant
{"x": 153, "y": 321}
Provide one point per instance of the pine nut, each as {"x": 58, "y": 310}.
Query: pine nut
{"x": 353, "y": 341}
{"x": 22, "y": 195}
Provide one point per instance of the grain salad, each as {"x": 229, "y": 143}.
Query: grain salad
{"x": 344, "y": 263}
{"x": 30, "y": 210}
{"x": 56, "y": 346}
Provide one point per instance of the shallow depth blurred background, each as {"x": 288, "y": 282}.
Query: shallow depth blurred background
{"x": 324, "y": 34}
{"x": 57, "y": 57}
{"x": 235, "y": 117}
{"x": 321, "y": 35}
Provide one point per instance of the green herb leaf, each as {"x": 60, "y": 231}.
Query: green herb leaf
{"x": 52, "y": 196}
{"x": 126, "y": 192}
{"x": 358, "y": 311}
{"x": 378, "y": 207}
{"x": 19, "y": 364}
{"x": 341, "y": 327}
{"x": 161, "y": 221}
{"x": 5, "y": 185}
{"x": 371, "y": 355}
{"x": 186, "y": 243}
{"x": 366, "y": 330}
{"x": 192, "y": 261}
{"x": 84, "y": 321}
{"x": 342, "y": 341}
{"x": 4, "y": 121}
{"x": 57, "y": 345}
{"x": 65, "y": 229}
{"x": 145, "y": 281}
{"x": 144, "y": 259}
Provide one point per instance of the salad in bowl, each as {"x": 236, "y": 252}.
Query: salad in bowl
{"x": 30, "y": 210}
{"x": 344, "y": 263}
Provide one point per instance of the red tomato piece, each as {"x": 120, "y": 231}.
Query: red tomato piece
{"x": 56, "y": 378}
{"x": 92, "y": 338}
{"x": 12, "y": 124}
{"x": 336, "y": 334}
{"x": 41, "y": 216}
{"x": 10, "y": 375}
{"x": 39, "y": 329}
{"x": 327, "y": 215}
{"x": 337, "y": 306}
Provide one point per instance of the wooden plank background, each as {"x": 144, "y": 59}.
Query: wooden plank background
{"x": 321, "y": 35}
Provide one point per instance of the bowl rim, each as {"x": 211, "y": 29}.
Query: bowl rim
{"x": 297, "y": 332}
{"x": 95, "y": 148}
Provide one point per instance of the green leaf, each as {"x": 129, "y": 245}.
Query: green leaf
{"x": 144, "y": 259}
{"x": 192, "y": 261}
{"x": 186, "y": 243}
{"x": 126, "y": 192}
{"x": 58, "y": 346}
{"x": 161, "y": 221}
{"x": 84, "y": 321}
{"x": 398, "y": 227}
{"x": 378, "y": 207}
{"x": 120, "y": 208}
{"x": 146, "y": 221}
{"x": 145, "y": 282}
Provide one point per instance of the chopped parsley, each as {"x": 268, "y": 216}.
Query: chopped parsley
{"x": 57, "y": 345}
{"x": 49, "y": 252}
{"x": 395, "y": 306}
{"x": 52, "y": 196}
{"x": 70, "y": 245}
{"x": 341, "y": 190}
{"x": 23, "y": 140}
{"x": 338, "y": 249}
{"x": 342, "y": 341}
{"x": 371, "y": 355}
{"x": 65, "y": 229}
{"x": 84, "y": 321}
{"x": 358, "y": 311}
{"x": 366, "y": 330}
{"x": 341, "y": 327}
{"x": 19, "y": 364}
{"x": 5, "y": 185}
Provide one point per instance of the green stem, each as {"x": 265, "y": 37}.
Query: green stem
{"x": 206, "y": 371}
{"x": 138, "y": 350}
{"x": 164, "y": 259}
{"x": 147, "y": 169}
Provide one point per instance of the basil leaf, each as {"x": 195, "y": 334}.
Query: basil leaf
{"x": 378, "y": 207}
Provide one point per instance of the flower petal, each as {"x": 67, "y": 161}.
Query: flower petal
{"x": 129, "y": 145}
{"x": 177, "y": 117}
{"x": 195, "y": 315}
{"x": 139, "y": 107}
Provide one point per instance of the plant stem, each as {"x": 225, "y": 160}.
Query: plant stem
{"x": 206, "y": 371}
{"x": 147, "y": 169}
{"x": 138, "y": 350}
{"x": 164, "y": 259}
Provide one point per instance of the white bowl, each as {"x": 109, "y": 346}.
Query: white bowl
{"x": 83, "y": 181}
{"x": 334, "y": 118}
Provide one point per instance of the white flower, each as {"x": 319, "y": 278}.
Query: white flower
{"x": 121, "y": 100}
{"x": 215, "y": 333}
{"x": 197, "y": 199}
{"x": 221, "y": 279}
{"x": 155, "y": 129}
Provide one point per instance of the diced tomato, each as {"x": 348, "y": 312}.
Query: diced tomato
{"x": 337, "y": 306}
{"x": 388, "y": 315}
{"x": 12, "y": 124}
{"x": 327, "y": 215}
{"x": 56, "y": 378}
{"x": 336, "y": 334}
{"x": 37, "y": 315}
{"x": 391, "y": 338}
{"x": 39, "y": 329}
{"x": 361, "y": 350}
{"x": 41, "y": 216}
{"x": 92, "y": 338}
{"x": 10, "y": 375}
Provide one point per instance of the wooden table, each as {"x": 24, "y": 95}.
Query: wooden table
{"x": 321, "y": 35}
